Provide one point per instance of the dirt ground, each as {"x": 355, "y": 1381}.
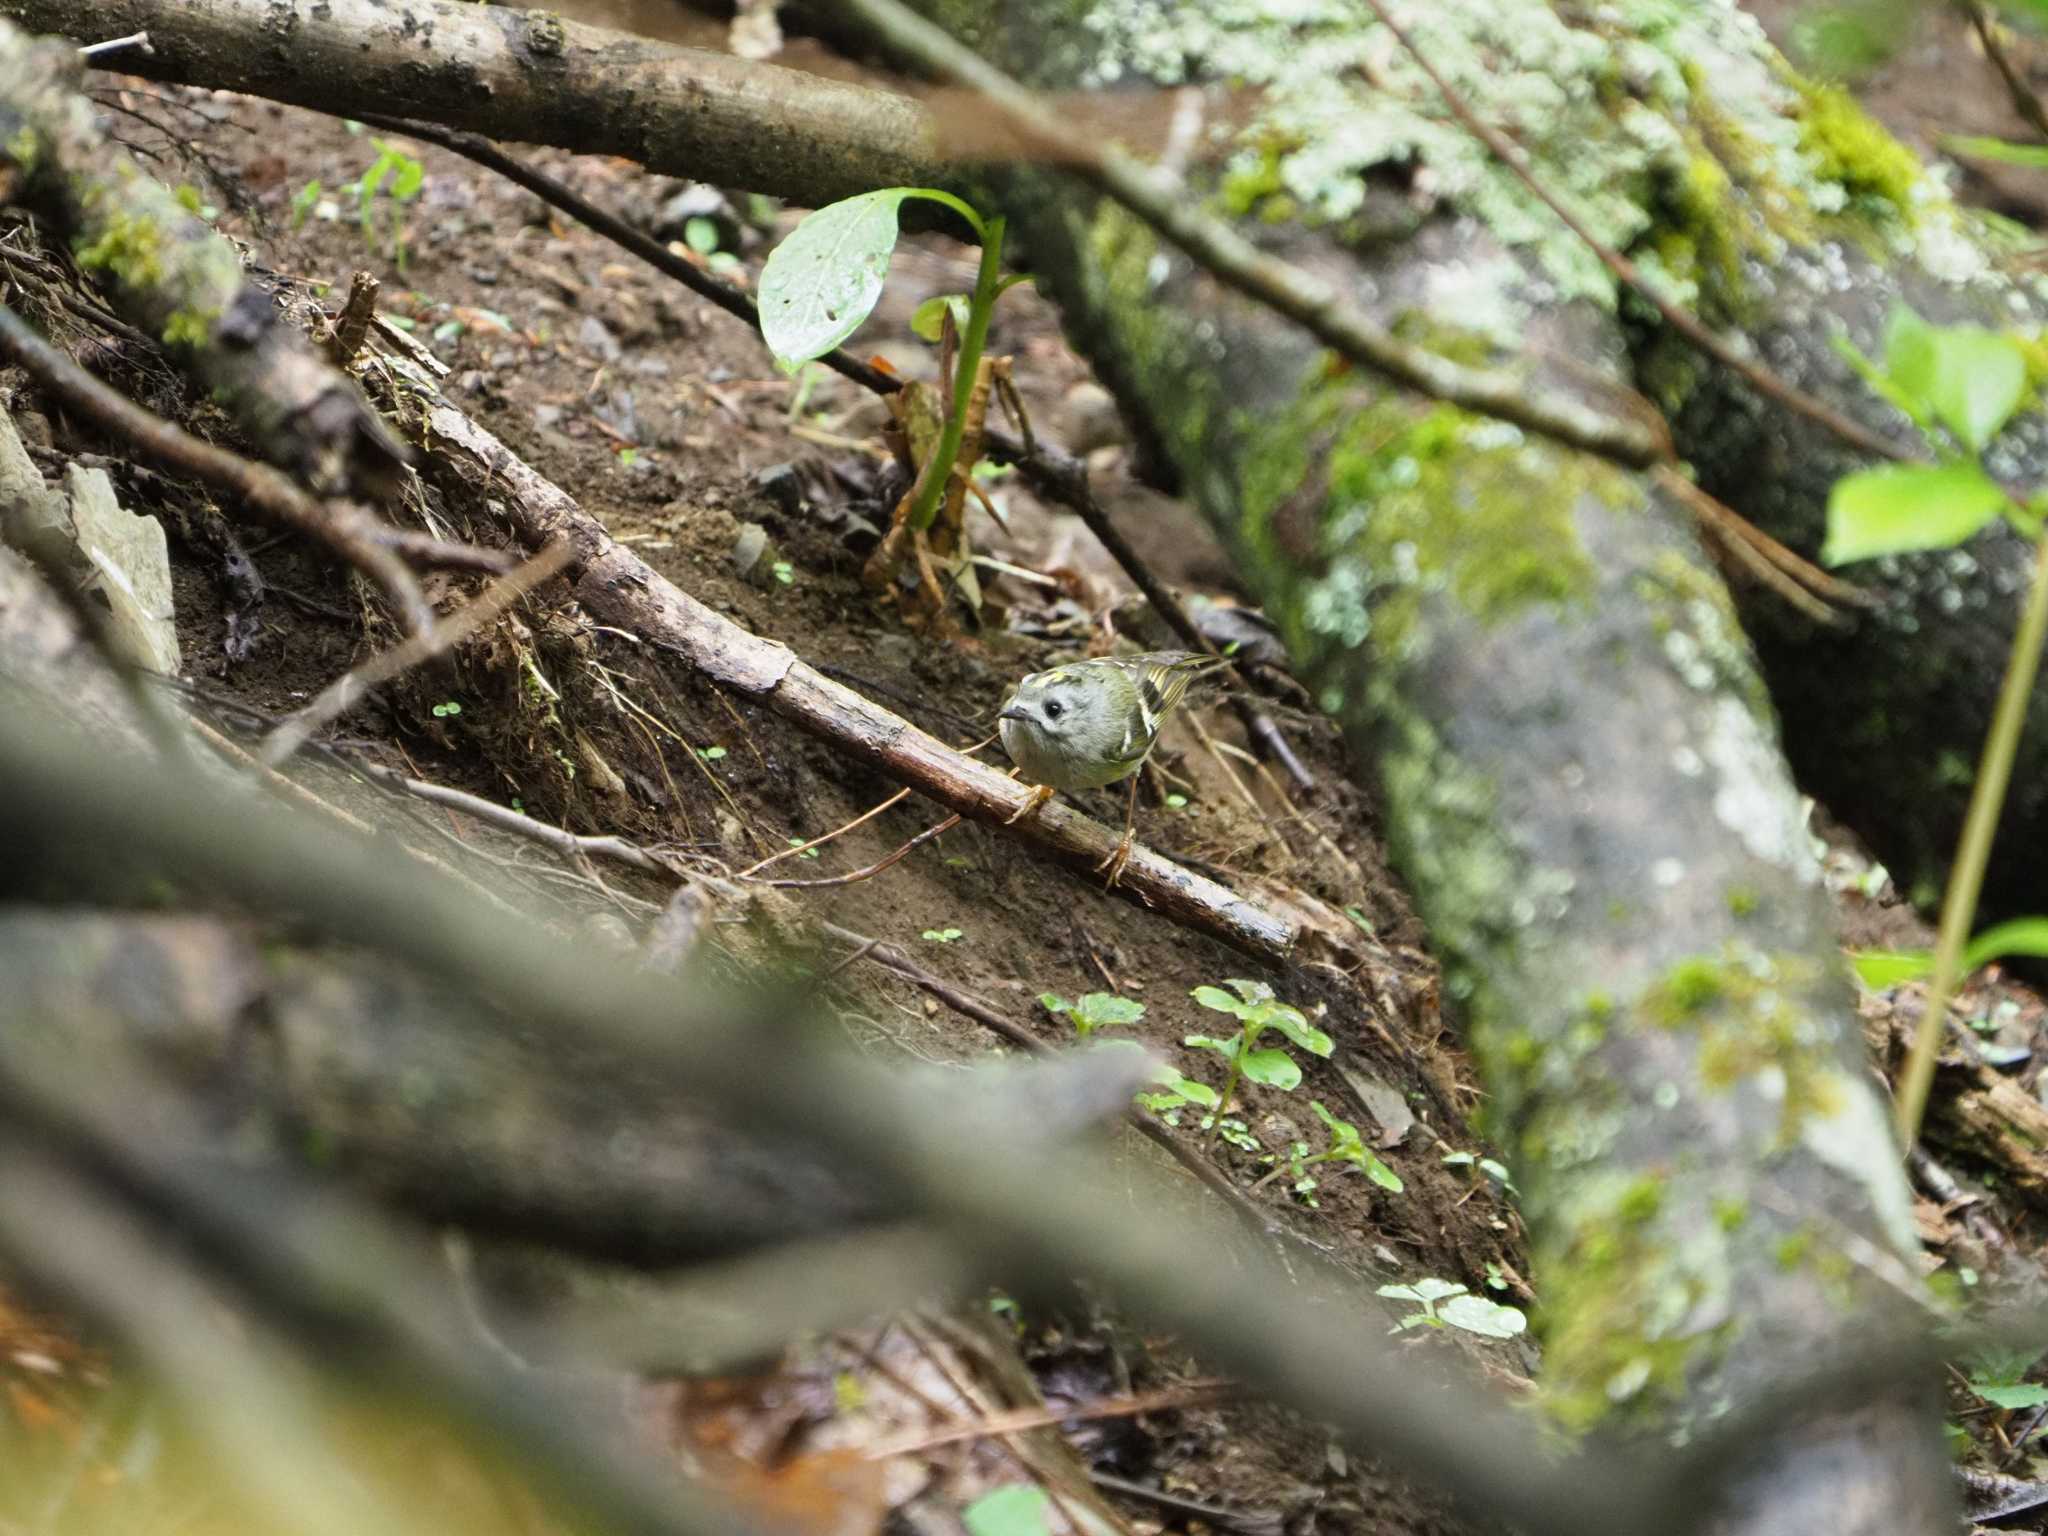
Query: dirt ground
{"x": 667, "y": 419}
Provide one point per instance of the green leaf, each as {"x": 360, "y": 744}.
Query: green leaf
{"x": 1250, "y": 991}
{"x": 1878, "y": 969}
{"x": 1475, "y": 1314}
{"x": 376, "y": 175}
{"x": 1433, "y": 1289}
{"x": 1275, "y": 1069}
{"x": 2025, "y": 1395}
{"x": 1100, "y": 1008}
{"x": 411, "y": 174}
{"x": 1979, "y": 381}
{"x": 1904, "y": 507}
{"x": 2021, "y": 936}
{"x": 928, "y": 319}
{"x": 1227, "y": 1049}
{"x": 1218, "y": 999}
{"x": 823, "y": 281}
{"x": 1196, "y": 1093}
{"x": 1019, "y": 1509}
{"x": 1399, "y": 1293}
{"x": 1979, "y": 147}
{"x": 1291, "y": 1023}
{"x": 701, "y": 234}
{"x": 1909, "y": 352}
{"x": 1052, "y": 1002}
{"x": 1381, "y": 1174}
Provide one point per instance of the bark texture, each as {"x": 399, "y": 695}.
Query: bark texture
{"x": 529, "y": 76}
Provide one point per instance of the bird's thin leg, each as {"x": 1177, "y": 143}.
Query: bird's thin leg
{"x": 1039, "y": 795}
{"x": 1117, "y": 860}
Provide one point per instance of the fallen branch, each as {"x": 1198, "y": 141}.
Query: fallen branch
{"x": 342, "y": 526}
{"x": 531, "y": 75}
{"x": 620, "y": 589}
{"x": 1053, "y": 474}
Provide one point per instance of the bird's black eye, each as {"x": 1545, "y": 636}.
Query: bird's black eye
{"x": 1054, "y": 709}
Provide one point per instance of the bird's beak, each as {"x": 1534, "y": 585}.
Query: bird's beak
{"x": 1014, "y": 712}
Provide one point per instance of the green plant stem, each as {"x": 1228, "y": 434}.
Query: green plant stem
{"x": 1973, "y": 852}
{"x": 939, "y": 472}
{"x": 1246, "y": 1039}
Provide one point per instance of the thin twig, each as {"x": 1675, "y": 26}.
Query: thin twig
{"x": 1015, "y": 1420}
{"x": 1264, "y": 1522}
{"x": 570, "y": 845}
{"x": 1164, "y": 202}
{"x": 342, "y": 526}
{"x": 1793, "y": 566}
{"x": 1759, "y": 378}
{"x": 346, "y": 691}
{"x": 886, "y": 862}
{"x": 138, "y": 40}
{"x": 2024, "y": 100}
{"x": 818, "y": 842}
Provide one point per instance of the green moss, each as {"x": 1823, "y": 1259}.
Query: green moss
{"x": 1793, "y": 1250}
{"x": 1691, "y": 985}
{"x": 1848, "y": 147}
{"x": 129, "y": 247}
{"x": 1255, "y": 184}
{"x": 1641, "y": 1201}
{"x": 188, "y": 198}
{"x": 1743, "y": 900}
{"x": 1614, "y": 1320}
{"x": 1730, "y": 1213}
{"x": 1749, "y": 1013}
{"x": 188, "y": 329}
{"x": 25, "y": 149}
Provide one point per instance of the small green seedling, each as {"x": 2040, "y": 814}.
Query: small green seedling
{"x": 825, "y": 279}
{"x": 449, "y": 707}
{"x": 711, "y": 754}
{"x": 397, "y": 177}
{"x": 1346, "y": 1146}
{"x": 798, "y": 842}
{"x": 784, "y": 572}
{"x": 1493, "y": 1168}
{"x": 1257, "y": 1010}
{"x": 1093, "y": 1011}
{"x": 304, "y": 201}
{"x": 941, "y": 935}
{"x": 1960, "y": 384}
{"x": 1447, "y": 1304}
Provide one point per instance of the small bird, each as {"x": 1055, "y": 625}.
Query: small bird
{"x": 1090, "y": 723}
